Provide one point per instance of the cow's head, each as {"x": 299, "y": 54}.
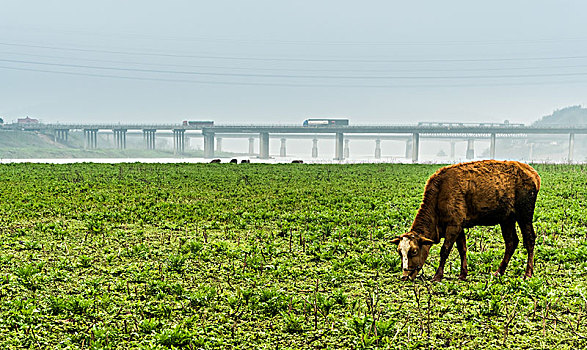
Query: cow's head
{"x": 413, "y": 250}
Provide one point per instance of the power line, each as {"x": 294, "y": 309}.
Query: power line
{"x": 282, "y": 59}
{"x": 232, "y": 39}
{"x": 291, "y": 76}
{"x": 233, "y": 83}
{"x": 300, "y": 69}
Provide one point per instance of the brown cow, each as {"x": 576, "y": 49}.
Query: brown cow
{"x": 464, "y": 195}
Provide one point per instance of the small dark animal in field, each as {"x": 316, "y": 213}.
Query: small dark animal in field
{"x": 245, "y": 161}
{"x": 297, "y": 161}
{"x": 215, "y": 161}
{"x": 234, "y": 161}
{"x": 470, "y": 194}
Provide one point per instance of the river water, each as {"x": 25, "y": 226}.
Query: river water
{"x": 276, "y": 160}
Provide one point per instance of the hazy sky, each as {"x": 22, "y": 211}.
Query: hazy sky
{"x": 269, "y": 61}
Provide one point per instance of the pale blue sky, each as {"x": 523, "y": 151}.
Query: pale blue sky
{"x": 281, "y": 62}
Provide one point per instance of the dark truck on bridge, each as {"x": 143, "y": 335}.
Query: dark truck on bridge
{"x": 325, "y": 122}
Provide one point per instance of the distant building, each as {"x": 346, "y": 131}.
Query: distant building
{"x": 27, "y": 120}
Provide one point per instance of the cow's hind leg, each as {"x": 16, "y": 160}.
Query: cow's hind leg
{"x": 529, "y": 238}
{"x": 452, "y": 233}
{"x": 462, "y": 247}
{"x": 508, "y": 231}
{"x": 525, "y": 210}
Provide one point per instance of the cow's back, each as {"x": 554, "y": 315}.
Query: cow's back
{"x": 484, "y": 192}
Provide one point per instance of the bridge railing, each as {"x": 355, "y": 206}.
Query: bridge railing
{"x": 369, "y": 128}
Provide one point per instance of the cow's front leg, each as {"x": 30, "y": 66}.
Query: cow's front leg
{"x": 452, "y": 232}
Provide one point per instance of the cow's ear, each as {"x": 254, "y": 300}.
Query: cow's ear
{"x": 425, "y": 241}
{"x": 396, "y": 240}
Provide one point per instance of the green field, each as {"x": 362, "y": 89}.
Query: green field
{"x": 271, "y": 256}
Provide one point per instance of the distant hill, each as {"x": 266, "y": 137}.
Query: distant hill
{"x": 574, "y": 115}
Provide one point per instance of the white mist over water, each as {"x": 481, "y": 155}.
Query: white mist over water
{"x": 253, "y": 160}
{"x": 277, "y": 160}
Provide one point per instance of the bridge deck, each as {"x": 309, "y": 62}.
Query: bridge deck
{"x": 296, "y": 129}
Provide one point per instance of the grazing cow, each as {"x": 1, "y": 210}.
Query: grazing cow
{"x": 297, "y": 161}
{"x": 234, "y": 161}
{"x": 245, "y": 161}
{"x": 215, "y": 161}
{"x": 464, "y": 195}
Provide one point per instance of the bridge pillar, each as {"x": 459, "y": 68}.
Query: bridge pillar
{"x": 377, "y": 149}
{"x": 149, "y": 137}
{"x": 219, "y": 144}
{"x": 492, "y": 147}
{"x": 338, "y": 147}
{"x": 188, "y": 142}
{"x": 531, "y": 152}
{"x": 415, "y": 147}
{"x": 116, "y": 136}
{"x": 264, "y": 145}
{"x": 571, "y": 146}
{"x": 408, "y": 152}
{"x": 315, "y": 148}
{"x": 90, "y": 138}
{"x": 119, "y": 138}
{"x": 208, "y": 144}
{"x": 346, "y": 148}
{"x": 251, "y": 146}
{"x": 452, "y": 150}
{"x": 470, "y": 149}
{"x": 61, "y": 135}
{"x": 282, "y": 150}
{"x": 178, "y": 141}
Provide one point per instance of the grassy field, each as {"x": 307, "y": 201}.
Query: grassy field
{"x": 271, "y": 256}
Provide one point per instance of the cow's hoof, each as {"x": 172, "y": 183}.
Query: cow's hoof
{"x": 463, "y": 277}
{"x": 498, "y": 273}
{"x": 437, "y": 279}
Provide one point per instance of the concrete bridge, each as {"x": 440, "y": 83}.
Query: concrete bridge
{"x": 214, "y": 134}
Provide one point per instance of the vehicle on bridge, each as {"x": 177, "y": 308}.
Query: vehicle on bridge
{"x": 501, "y": 124}
{"x": 198, "y": 124}
{"x": 459, "y": 124}
{"x": 27, "y": 120}
{"x": 325, "y": 122}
